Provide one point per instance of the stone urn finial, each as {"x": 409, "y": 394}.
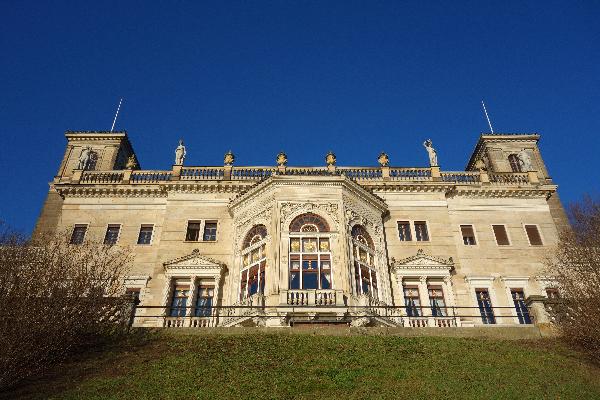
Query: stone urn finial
{"x": 330, "y": 158}
{"x": 229, "y": 158}
{"x": 281, "y": 159}
{"x": 383, "y": 159}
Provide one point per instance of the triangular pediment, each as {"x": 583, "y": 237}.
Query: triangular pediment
{"x": 422, "y": 261}
{"x": 194, "y": 263}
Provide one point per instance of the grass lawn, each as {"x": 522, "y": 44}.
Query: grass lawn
{"x": 281, "y": 366}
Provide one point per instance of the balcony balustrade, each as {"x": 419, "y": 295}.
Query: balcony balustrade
{"x": 363, "y": 175}
{"x": 315, "y": 297}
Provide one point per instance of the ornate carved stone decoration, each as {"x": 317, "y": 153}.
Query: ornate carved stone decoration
{"x": 291, "y": 210}
{"x": 383, "y": 159}
{"x": 196, "y": 263}
{"x": 422, "y": 261}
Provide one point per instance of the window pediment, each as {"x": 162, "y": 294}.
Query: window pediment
{"x": 194, "y": 264}
{"x": 422, "y": 261}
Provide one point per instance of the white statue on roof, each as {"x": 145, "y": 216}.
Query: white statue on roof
{"x": 180, "y": 153}
{"x": 433, "y": 161}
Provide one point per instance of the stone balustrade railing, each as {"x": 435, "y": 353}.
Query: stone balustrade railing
{"x": 410, "y": 174}
{"x": 509, "y": 178}
{"x": 201, "y": 173}
{"x": 363, "y": 175}
{"x": 252, "y": 173}
{"x": 314, "y": 297}
{"x": 149, "y": 176}
{"x": 101, "y": 177}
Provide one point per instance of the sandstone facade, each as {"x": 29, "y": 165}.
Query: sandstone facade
{"x": 230, "y": 245}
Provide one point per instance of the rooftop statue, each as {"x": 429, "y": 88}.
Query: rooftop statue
{"x": 433, "y": 161}
{"x": 180, "y": 153}
{"x": 85, "y": 158}
{"x": 525, "y": 161}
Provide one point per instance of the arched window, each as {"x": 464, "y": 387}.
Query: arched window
{"x": 363, "y": 253}
{"x": 310, "y": 253}
{"x": 515, "y": 163}
{"x": 254, "y": 260}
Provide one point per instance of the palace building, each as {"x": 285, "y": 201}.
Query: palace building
{"x": 281, "y": 245}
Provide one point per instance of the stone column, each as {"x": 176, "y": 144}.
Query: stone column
{"x": 215, "y": 312}
{"x": 424, "y": 297}
{"x": 191, "y": 296}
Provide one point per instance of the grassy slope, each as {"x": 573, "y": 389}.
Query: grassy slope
{"x": 306, "y": 366}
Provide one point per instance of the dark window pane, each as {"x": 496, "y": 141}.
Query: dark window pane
{"x": 294, "y": 280}
{"x": 534, "y": 235}
{"x": 310, "y": 280}
{"x": 501, "y": 235}
{"x": 210, "y": 232}
{"x": 112, "y": 234}
{"x": 468, "y": 235}
{"x": 404, "y": 231}
{"x": 485, "y": 306}
{"x": 145, "y": 236}
{"x": 519, "y": 301}
{"x": 193, "y": 232}
{"x": 78, "y": 234}
{"x": 421, "y": 231}
{"x": 515, "y": 165}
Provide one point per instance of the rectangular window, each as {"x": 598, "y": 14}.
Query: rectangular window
{"x": 78, "y": 234}
{"x": 145, "y": 236}
{"x": 112, "y": 234}
{"x": 518, "y": 297}
{"x": 436, "y": 301}
{"x": 204, "y": 300}
{"x": 421, "y": 233}
{"x": 210, "y": 232}
{"x": 412, "y": 301}
{"x": 534, "y": 235}
{"x": 468, "y": 235}
{"x": 179, "y": 301}
{"x": 501, "y": 235}
{"x": 193, "y": 231}
{"x": 552, "y": 293}
{"x": 485, "y": 306}
{"x": 404, "y": 231}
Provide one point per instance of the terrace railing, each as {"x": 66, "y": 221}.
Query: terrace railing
{"x": 363, "y": 175}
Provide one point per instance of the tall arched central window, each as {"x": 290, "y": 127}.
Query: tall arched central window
{"x": 363, "y": 252}
{"x": 254, "y": 260}
{"x": 310, "y": 253}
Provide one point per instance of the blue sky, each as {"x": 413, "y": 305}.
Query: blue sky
{"x": 303, "y": 77}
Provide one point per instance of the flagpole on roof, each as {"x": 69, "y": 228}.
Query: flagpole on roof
{"x": 487, "y": 117}
{"x": 116, "y": 115}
